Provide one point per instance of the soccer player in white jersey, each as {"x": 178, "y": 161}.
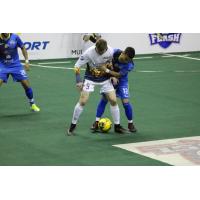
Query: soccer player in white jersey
{"x": 96, "y": 56}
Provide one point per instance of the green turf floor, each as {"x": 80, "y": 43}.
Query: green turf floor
{"x": 166, "y": 105}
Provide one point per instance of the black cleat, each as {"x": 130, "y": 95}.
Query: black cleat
{"x": 70, "y": 131}
{"x": 131, "y": 128}
{"x": 119, "y": 129}
{"x": 95, "y": 127}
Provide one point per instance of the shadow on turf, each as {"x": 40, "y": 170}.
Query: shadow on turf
{"x": 19, "y": 115}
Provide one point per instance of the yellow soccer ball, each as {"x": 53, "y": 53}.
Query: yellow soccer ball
{"x": 105, "y": 125}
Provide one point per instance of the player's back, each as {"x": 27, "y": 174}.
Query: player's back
{"x": 95, "y": 59}
{"x": 122, "y": 68}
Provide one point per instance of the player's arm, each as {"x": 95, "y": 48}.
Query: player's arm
{"x": 92, "y": 37}
{"x": 20, "y": 44}
{"x": 25, "y": 54}
{"x": 81, "y": 61}
{"x": 79, "y": 83}
{"x": 110, "y": 72}
{"x": 113, "y": 73}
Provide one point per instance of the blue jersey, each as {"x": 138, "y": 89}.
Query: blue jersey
{"x": 9, "y": 56}
{"x": 122, "y": 68}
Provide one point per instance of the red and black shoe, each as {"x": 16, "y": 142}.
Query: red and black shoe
{"x": 70, "y": 131}
{"x": 119, "y": 129}
{"x": 131, "y": 128}
{"x": 95, "y": 127}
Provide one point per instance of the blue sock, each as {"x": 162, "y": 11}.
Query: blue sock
{"x": 101, "y": 107}
{"x": 29, "y": 94}
{"x": 128, "y": 111}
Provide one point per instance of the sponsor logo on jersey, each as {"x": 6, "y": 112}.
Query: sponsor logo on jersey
{"x": 165, "y": 39}
{"x": 82, "y": 58}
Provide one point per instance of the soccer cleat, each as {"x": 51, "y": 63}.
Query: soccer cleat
{"x": 119, "y": 129}
{"x": 70, "y": 131}
{"x": 131, "y": 128}
{"x": 95, "y": 126}
{"x": 35, "y": 108}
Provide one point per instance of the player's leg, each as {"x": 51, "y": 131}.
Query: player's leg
{"x": 88, "y": 87}
{"x": 77, "y": 111}
{"x": 1, "y": 82}
{"x": 123, "y": 93}
{"x": 99, "y": 112}
{"x": 29, "y": 93}
{"x": 3, "y": 76}
{"x": 19, "y": 74}
{"x": 128, "y": 108}
{"x": 109, "y": 91}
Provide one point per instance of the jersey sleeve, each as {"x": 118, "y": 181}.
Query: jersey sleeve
{"x": 116, "y": 51}
{"x": 83, "y": 59}
{"x": 125, "y": 70}
{"x": 19, "y": 42}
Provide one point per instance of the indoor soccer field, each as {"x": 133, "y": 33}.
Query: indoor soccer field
{"x": 164, "y": 90}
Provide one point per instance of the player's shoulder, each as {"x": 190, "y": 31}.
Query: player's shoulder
{"x": 14, "y": 36}
{"x": 110, "y": 49}
{"x": 117, "y": 52}
{"x": 130, "y": 65}
{"x": 90, "y": 50}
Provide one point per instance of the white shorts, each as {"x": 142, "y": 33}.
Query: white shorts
{"x": 105, "y": 86}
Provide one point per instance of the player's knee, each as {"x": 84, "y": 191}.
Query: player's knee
{"x": 1, "y": 82}
{"x": 83, "y": 102}
{"x": 125, "y": 101}
{"x": 25, "y": 84}
{"x": 113, "y": 102}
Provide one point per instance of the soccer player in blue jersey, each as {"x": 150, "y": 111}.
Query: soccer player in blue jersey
{"x": 122, "y": 64}
{"x": 10, "y": 64}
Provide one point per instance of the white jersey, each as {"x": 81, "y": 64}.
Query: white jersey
{"x": 93, "y": 58}
{"x": 93, "y": 61}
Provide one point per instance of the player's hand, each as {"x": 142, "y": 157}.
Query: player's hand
{"x": 114, "y": 80}
{"x": 103, "y": 68}
{"x": 86, "y": 38}
{"x": 27, "y": 66}
{"x": 79, "y": 86}
{"x": 106, "y": 66}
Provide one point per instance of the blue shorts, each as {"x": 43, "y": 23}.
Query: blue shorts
{"x": 18, "y": 73}
{"x": 122, "y": 92}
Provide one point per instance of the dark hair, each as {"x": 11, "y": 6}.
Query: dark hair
{"x": 101, "y": 44}
{"x": 130, "y": 51}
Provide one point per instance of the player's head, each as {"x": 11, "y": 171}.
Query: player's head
{"x": 127, "y": 55}
{"x": 101, "y": 46}
{"x": 5, "y": 36}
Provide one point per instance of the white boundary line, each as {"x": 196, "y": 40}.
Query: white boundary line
{"x": 140, "y": 58}
{"x": 186, "y": 56}
{"x": 52, "y": 67}
{"x": 181, "y": 56}
{"x": 68, "y": 62}
{"x": 169, "y": 56}
{"x": 140, "y": 71}
{"x": 50, "y": 63}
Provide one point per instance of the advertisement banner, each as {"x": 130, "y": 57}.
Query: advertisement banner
{"x": 71, "y": 45}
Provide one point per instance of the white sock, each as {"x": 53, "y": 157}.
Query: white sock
{"x": 97, "y": 119}
{"x": 77, "y": 112}
{"x": 115, "y": 114}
